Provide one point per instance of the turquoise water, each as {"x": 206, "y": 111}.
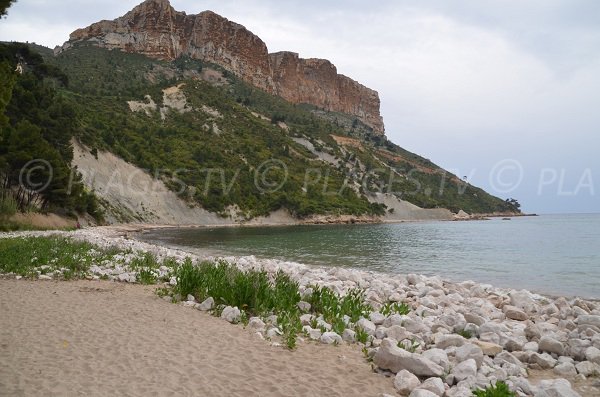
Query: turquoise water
{"x": 551, "y": 254}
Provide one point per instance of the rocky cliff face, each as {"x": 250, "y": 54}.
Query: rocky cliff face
{"x": 155, "y": 29}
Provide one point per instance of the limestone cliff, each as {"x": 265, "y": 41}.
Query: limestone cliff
{"x": 155, "y": 29}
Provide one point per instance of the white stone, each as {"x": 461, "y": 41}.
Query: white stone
{"x": 434, "y": 385}
{"x": 565, "y": 369}
{"x": 329, "y": 338}
{"x": 593, "y": 354}
{"x": 349, "y": 335}
{"x": 438, "y": 356}
{"x": 405, "y": 382}
{"x": 442, "y": 341}
{"x": 377, "y": 318}
{"x": 366, "y": 325}
{"x": 465, "y": 370}
{"x": 389, "y": 356}
{"x": 231, "y": 314}
{"x": 304, "y": 306}
{"x": 587, "y": 368}
{"x": 514, "y": 313}
{"x": 545, "y": 361}
{"x": 551, "y": 345}
{"x": 585, "y": 319}
{"x": 256, "y": 324}
{"x": 207, "y": 304}
{"x": 489, "y": 349}
{"x": 555, "y": 388}
{"x": 468, "y": 351}
{"x": 421, "y": 393}
{"x": 190, "y": 298}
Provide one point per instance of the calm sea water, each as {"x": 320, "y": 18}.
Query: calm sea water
{"x": 551, "y": 254}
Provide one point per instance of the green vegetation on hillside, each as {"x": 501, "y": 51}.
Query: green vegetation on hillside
{"x": 36, "y": 126}
{"x": 234, "y": 146}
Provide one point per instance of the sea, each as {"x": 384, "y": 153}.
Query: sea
{"x": 547, "y": 254}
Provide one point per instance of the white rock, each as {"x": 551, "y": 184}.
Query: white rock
{"x": 366, "y": 325}
{"x": 349, "y": 335}
{"x": 389, "y": 356}
{"x": 531, "y": 347}
{"x": 190, "y": 298}
{"x": 438, "y": 356}
{"x": 565, "y": 369}
{"x": 421, "y": 393}
{"x": 397, "y": 332}
{"x": 377, "y": 318}
{"x": 46, "y": 277}
{"x": 587, "y": 368}
{"x": 555, "y": 388}
{"x": 231, "y": 314}
{"x": 305, "y": 319}
{"x": 434, "y": 385}
{"x": 256, "y": 324}
{"x": 523, "y": 300}
{"x": 329, "y": 338}
{"x": 442, "y": 341}
{"x": 551, "y": 345}
{"x": 545, "y": 361}
{"x": 514, "y": 313}
{"x": 405, "y": 382}
{"x": 489, "y": 349}
{"x": 465, "y": 370}
{"x": 468, "y": 351}
{"x": 207, "y": 304}
{"x": 585, "y": 319}
{"x": 593, "y": 354}
{"x": 304, "y": 306}
{"x": 313, "y": 333}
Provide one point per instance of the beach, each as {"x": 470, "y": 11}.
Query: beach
{"x": 98, "y": 337}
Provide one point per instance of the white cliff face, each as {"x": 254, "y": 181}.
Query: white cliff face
{"x": 156, "y": 30}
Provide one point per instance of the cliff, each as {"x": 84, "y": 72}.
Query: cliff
{"x": 156, "y": 30}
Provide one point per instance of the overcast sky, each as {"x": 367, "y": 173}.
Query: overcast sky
{"x": 504, "y": 92}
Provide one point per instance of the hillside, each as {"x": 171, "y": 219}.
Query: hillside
{"x": 215, "y": 147}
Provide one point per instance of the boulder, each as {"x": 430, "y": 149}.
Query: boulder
{"x": 391, "y": 357}
{"x": 443, "y": 341}
{"x": 588, "y": 319}
{"x": 256, "y": 324}
{"x": 465, "y": 370}
{"x": 545, "y": 361}
{"x": 349, "y": 335}
{"x": 434, "y": 385}
{"x": 555, "y": 388}
{"x": 514, "y": 313}
{"x": 551, "y": 345}
{"x": 377, "y": 318}
{"x": 329, "y": 338}
{"x": 489, "y": 349}
{"x": 587, "y": 368}
{"x": 366, "y": 325}
{"x": 207, "y": 304}
{"x": 422, "y": 393}
{"x": 592, "y": 354}
{"x": 565, "y": 369}
{"x": 231, "y": 314}
{"x": 438, "y": 356}
{"x": 405, "y": 382}
{"x": 468, "y": 351}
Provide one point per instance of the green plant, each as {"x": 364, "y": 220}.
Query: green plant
{"x": 465, "y": 333}
{"x": 500, "y": 389}
{"x": 361, "y": 335}
{"x": 390, "y": 308}
{"x": 146, "y": 276}
{"x": 411, "y": 347}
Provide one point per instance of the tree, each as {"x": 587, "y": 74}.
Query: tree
{"x": 4, "y": 5}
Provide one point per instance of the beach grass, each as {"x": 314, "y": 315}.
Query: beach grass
{"x": 500, "y": 389}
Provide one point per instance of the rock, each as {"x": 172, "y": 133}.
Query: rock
{"x": 523, "y": 300}
{"x": 469, "y": 351}
{"x": 366, "y": 325}
{"x": 256, "y": 324}
{"x": 551, "y": 345}
{"x": 313, "y": 333}
{"x": 555, "y": 388}
{"x": 405, "y": 382}
{"x": 304, "y": 306}
{"x": 231, "y": 314}
{"x": 349, "y": 335}
{"x": 506, "y": 357}
{"x": 577, "y": 348}
{"x": 593, "y": 320}
{"x": 190, "y": 298}
{"x": 329, "y": 338}
{"x": 394, "y": 319}
{"x": 397, "y": 332}
{"x": 434, "y": 385}
{"x": 443, "y": 341}
{"x": 565, "y": 369}
{"x": 545, "y": 361}
{"x": 587, "y": 368}
{"x": 438, "y": 356}
{"x": 475, "y": 319}
{"x": 592, "y": 354}
{"x": 514, "y": 313}
{"x": 489, "y": 349}
{"x": 305, "y": 319}
{"x": 465, "y": 370}
{"x": 531, "y": 347}
{"x": 126, "y": 278}
{"x": 421, "y": 393}
{"x": 377, "y": 318}
{"x": 207, "y": 304}
{"x": 389, "y": 356}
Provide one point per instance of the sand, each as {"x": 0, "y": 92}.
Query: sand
{"x": 100, "y": 338}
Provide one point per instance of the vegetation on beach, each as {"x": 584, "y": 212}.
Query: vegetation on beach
{"x": 500, "y": 389}
{"x": 256, "y": 293}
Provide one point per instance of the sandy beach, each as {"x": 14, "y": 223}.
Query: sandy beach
{"x": 99, "y": 338}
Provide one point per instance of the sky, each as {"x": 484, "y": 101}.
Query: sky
{"x": 503, "y": 92}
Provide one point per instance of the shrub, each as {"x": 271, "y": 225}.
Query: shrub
{"x": 500, "y": 389}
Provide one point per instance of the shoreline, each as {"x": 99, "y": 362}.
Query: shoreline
{"x": 514, "y": 330}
